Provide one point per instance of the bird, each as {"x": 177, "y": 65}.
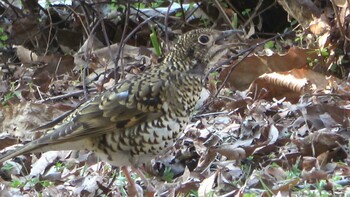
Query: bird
{"x": 141, "y": 116}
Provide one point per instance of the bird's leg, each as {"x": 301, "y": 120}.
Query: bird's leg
{"x": 150, "y": 188}
{"x": 132, "y": 189}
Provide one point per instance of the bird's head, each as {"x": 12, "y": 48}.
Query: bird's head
{"x": 203, "y": 48}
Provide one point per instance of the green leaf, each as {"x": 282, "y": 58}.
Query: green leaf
{"x": 168, "y": 174}
{"x": 155, "y": 42}
{"x": 270, "y": 44}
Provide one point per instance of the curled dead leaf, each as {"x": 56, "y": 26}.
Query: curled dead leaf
{"x": 254, "y": 66}
{"x": 291, "y": 84}
{"x": 206, "y": 186}
{"x": 25, "y": 55}
{"x": 231, "y": 152}
{"x": 309, "y": 163}
{"x": 319, "y": 142}
{"x": 314, "y": 175}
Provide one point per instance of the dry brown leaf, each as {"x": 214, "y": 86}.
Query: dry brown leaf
{"x": 24, "y": 29}
{"x": 273, "y": 134}
{"x": 22, "y": 117}
{"x": 278, "y": 173}
{"x": 56, "y": 64}
{"x": 286, "y": 187}
{"x": 226, "y": 176}
{"x": 187, "y": 187}
{"x": 289, "y": 84}
{"x": 103, "y": 56}
{"x": 326, "y": 116}
{"x": 319, "y": 142}
{"x": 309, "y": 163}
{"x": 320, "y": 25}
{"x": 26, "y": 56}
{"x": 47, "y": 159}
{"x": 88, "y": 185}
{"x": 254, "y": 66}
{"x": 323, "y": 158}
{"x": 206, "y": 186}
{"x": 205, "y": 161}
{"x": 6, "y": 140}
{"x": 232, "y": 153}
{"x": 314, "y": 175}
{"x": 302, "y": 10}
{"x": 340, "y": 3}
{"x": 342, "y": 169}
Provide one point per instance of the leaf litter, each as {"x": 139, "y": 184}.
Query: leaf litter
{"x": 282, "y": 129}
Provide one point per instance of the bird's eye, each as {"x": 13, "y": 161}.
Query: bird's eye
{"x": 203, "y": 39}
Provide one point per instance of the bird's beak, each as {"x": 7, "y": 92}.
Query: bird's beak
{"x": 222, "y": 38}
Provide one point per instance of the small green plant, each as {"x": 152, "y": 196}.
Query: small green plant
{"x": 155, "y": 43}
{"x": 320, "y": 187}
{"x": 46, "y": 183}
{"x": 246, "y": 12}
{"x": 168, "y": 174}
{"x": 234, "y": 21}
{"x": 275, "y": 165}
{"x": 7, "y": 167}
{"x": 311, "y": 62}
{"x": 140, "y": 5}
{"x": 249, "y": 195}
{"x": 16, "y": 183}
{"x": 192, "y": 193}
{"x": 265, "y": 187}
{"x": 205, "y": 21}
{"x": 270, "y": 45}
{"x": 324, "y": 52}
{"x": 299, "y": 39}
{"x": 114, "y": 5}
{"x": 3, "y": 38}
{"x": 36, "y": 180}
{"x": 295, "y": 171}
{"x": 7, "y": 97}
{"x": 321, "y": 52}
{"x": 157, "y": 3}
{"x": 121, "y": 182}
{"x": 59, "y": 166}
{"x": 215, "y": 76}
{"x": 178, "y": 14}
{"x": 191, "y": 6}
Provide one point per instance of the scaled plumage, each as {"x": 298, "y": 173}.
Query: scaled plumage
{"x": 141, "y": 116}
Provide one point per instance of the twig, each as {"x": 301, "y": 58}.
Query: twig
{"x": 49, "y": 36}
{"x": 166, "y": 26}
{"x": 210, "y": 114}
{"x": 341, "y": 27}
{"x": 222, "y": 11}
{"x": 231, "y": 70}
{"x": 246, "y": 52}
{"x": 66, "y": 95}
{"x": 121, "y": 45}
{"x": 254, "y": 13}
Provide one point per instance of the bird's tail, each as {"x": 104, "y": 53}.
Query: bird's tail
{"x": 18, "y": 151}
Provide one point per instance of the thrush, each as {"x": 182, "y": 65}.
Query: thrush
{"x": 141, "y": 116}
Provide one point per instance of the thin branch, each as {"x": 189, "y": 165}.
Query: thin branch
{"x": 246, "y": 52}
{"x": 66, "y": 95}
{"x": 121, "y": 45}
{"x": 252, "y": 16}
{"x": 222, "y": 11}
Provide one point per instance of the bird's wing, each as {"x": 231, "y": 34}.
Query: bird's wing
{"x": 132, "y": 102}
{"x": 128, "y": 104}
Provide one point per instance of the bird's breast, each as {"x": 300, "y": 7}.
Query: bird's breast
{"x": 141, "y": 142}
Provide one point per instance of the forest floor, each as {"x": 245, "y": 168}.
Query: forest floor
{"x": 275, "y": 121}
